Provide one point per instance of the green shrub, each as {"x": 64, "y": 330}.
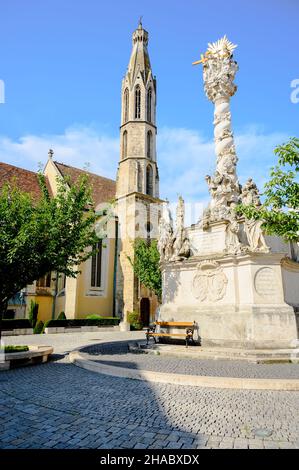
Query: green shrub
{"x": 39, "y": 328}
{"x": 96, "y": 316}
{"x": 12, "y": 349}
{"x": 61, "y": 316}
{"x": 33, "y": 312}
{"x": 135, "y": 321}
{"x": 16, "y": 324}
{"x": 69, "y": 323}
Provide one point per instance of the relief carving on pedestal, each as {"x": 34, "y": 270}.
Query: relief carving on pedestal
{"x": 209, "y": 282}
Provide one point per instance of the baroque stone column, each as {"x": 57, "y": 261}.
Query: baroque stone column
{"x": 219, "y": 70}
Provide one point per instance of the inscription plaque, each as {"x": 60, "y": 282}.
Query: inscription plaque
{"x": 265, "y": 282}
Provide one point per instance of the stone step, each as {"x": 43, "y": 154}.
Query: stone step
{"x": 256, "y": 356}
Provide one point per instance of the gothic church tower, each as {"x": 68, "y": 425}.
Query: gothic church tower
{"x": 137, "y": 184}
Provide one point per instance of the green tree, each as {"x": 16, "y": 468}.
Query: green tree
{"x": 36, "y": 237}
{"x": 146, "y": 265}
{"x": 280, "y": 209}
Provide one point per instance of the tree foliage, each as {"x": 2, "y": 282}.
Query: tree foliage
{"x": 280, "y": 209}
{"x": 146, "y": 265}
{"x": 51, "y": 234}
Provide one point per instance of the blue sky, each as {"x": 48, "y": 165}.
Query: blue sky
{"x": 62, "y": 62}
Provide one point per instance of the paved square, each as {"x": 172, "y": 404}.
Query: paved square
{"x": 58, "y": 405}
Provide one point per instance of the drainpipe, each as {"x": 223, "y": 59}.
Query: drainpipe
{"x": 115, "y": 266}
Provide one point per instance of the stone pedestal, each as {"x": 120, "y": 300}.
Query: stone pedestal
{"x": 236, "y": 300}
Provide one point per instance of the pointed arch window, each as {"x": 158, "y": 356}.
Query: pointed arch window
{"x": 149, "y": 105}
{"x": 149, "y": 144}
{"x": 125, "y": 144}
{"x": 96, "y": 266}
{"x": 126, "y": 105}
{"x": 139, "y": 178}
{"x": 149, "y": 180}
{"x": 137, "y": 102}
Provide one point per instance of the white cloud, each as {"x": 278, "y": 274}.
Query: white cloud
{"x": 76, "y": 147}
{"x": 184, "y": 156}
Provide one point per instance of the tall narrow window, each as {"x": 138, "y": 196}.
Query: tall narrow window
{"x": 137, "y": 102}
{"x": 149, "y": 144}
{"x": 96, "y": 266}
{"x": 149, "y": 105}
{"x": 149, "y": 180}
{"x": 139, "y": 178}
{"x": 126, "y": 105}
{"x": 125, "y": 144}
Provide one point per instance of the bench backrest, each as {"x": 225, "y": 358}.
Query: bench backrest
{"x": 174, "y": 323}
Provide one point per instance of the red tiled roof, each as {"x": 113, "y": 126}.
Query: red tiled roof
{"x": 26, "y": 180}
{"x": 103, "y": 189}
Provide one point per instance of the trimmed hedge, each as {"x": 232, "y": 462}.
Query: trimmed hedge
{"x": 16, "y": 324}
{"x": 15, "y": 349}
{"x": 105, "y": 321}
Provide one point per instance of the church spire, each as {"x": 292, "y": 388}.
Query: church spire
{"x": 138, "y": 170}
{"x": 139, "y": 60}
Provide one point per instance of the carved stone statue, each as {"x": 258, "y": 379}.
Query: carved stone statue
{"x": 165, "y": 241}
{"x": 250, "y": 194}
{"x": 185, "y": 250}
{"x": 232, "y": 242}
{"x": 255, "y": 237}
{"x": 181, "y": 245}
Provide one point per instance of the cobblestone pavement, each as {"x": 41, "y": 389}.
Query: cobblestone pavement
{"x": 59, "y": 405}
{"x": 210, "y": 367}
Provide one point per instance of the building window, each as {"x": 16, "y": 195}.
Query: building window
{"x": 149, "y": 180}
{"x": 126, "y": 105}
{"x": 44, "y": 281}
{"x": 137, "y": 102}
{"x": 149, "y": 144}
{"x": 125, "y": 144}
{"x": 96, "y": 266}
{"x": 149, "y": 105}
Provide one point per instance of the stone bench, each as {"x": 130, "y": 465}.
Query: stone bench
{"x": 35, "y": 355}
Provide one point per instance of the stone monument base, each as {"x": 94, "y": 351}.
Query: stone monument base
{"x": 239, "y": 301}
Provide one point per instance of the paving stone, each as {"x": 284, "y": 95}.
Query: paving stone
{"x": 75, "y": 408}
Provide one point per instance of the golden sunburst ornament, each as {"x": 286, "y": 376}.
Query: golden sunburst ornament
{"x": 221, "y": 47}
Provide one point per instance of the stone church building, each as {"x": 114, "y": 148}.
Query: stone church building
{"x": 106, "y": 285}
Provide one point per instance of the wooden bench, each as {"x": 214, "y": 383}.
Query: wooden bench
{"x": 187, "y": 335}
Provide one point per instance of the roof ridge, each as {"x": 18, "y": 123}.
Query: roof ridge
{"x": 84, "y": 171}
